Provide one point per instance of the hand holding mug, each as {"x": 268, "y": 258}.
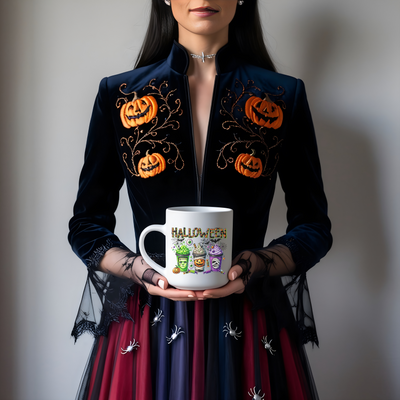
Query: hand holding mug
{"x": 198, "y": 247}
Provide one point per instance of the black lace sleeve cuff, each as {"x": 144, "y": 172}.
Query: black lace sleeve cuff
{"x": 297, "y": 255}
{"x": 94, "y": 260}
{"x": 286, "y": 296}
{"x": 105, "y": 296}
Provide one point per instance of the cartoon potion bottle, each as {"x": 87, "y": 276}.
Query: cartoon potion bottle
{"x": 199, "y": 258}
{"x": 216, "y": 255}
{"x": 182, "y": 256}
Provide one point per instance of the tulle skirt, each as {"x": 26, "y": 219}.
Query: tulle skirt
{"x": 204, "y": 350}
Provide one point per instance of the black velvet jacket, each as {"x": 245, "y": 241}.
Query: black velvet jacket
{"x": 141, "y": 131}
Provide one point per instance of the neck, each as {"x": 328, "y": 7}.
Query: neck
{"x": 207, "y": 44}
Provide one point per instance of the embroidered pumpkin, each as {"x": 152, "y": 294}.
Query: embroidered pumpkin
{"x": 264, "y": 112}
{"x": 248, "y": 165}
{"x": 138, "y": 111}
{"x": 151, "y": 165}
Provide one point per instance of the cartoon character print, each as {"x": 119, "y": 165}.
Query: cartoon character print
{"x": 148, "y": 150}
{"x": 182, "y": 256}
{"x": 254, "y": 119}
{"x": 199, "y": 264}
{"x": 199, "y": 257}
{"x": 204, "y": 257}
{"x": 216, "y": 257}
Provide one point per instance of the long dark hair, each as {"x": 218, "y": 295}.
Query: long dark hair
{"x": 245, "y": 35}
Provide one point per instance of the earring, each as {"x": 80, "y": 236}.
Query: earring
{"x": 241, "y": 2}
{"x": 167, "y": 2}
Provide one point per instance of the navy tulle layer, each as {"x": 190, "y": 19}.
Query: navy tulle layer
{"x": 221, "y": 350}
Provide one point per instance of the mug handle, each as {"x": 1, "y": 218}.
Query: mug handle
{"x": 151, "y": 228}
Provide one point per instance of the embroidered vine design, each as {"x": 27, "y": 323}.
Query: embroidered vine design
{"x": 148, "y": 116}
{"x": 255, "y": 122}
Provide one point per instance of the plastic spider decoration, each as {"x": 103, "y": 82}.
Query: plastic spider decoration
{"x": 157, "y": 317}
{"x": 132, "y": 346}
{"x": 267, "y": 345}
{"x": 230, "y": 331}
{"x": 255, "y": 396}
{"x": 175, "y": 334}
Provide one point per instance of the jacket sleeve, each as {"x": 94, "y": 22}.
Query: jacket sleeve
{"x": 92, "y": 225}
{"x": 307, "y": 236}
{"x": 308, "y": 233}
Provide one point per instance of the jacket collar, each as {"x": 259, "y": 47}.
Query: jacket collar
{"x": 178, "y": 59}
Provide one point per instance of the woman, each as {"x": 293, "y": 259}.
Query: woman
{"x": 203, "y": 119}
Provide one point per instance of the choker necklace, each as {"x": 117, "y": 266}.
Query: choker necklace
{"x": 203, "y": 56}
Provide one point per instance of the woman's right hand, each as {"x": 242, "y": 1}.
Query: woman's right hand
{"x": 126, "y": 264}
{"x": 170, "y": 292}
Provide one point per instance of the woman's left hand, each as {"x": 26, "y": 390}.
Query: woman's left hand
{"x": 235, "y": 285}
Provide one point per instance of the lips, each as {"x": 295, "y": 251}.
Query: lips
{"x": 204, "y": 10}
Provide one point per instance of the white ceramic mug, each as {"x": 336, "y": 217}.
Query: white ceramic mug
{"x": 198, "y": 246}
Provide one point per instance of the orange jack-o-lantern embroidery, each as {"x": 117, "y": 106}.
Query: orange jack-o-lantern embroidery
{"x": 248, "y": 165}
{"x": 153, "y": 114}
{"x": 250, "y": 119}
{"x": 151, "y": 165}
{"x": 264, "y": 112}
{"x": 138, "y": 111}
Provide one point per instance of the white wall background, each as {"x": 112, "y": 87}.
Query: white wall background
{"x": 53, "y": 55}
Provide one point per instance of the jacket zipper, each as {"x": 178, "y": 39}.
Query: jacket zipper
{"x": 199, "y": 182}
{"x": 216, "y": 81}
{"x": 186, "y": 79}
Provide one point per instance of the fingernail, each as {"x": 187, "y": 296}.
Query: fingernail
{"x": 161, "y": 283}
{"x": 190, "y": 295}
{"x": 234, "y": 275}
